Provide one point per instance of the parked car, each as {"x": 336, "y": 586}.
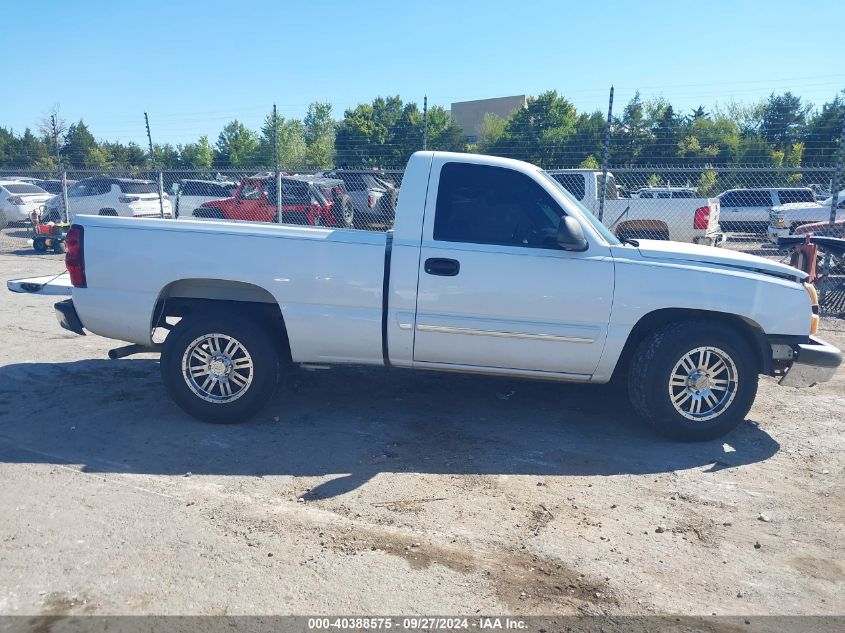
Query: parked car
{"x": 679, "y": 219}
{"x": 748, "y": 209}
{"x": 191, "y": 194}
{"x": 99, "y": 195}
{"x": 305, "y": 200}
{"x": 373, "y": 195}
{"x": 663, "y": 193}
{"x": 53, "y": 186}
{"x": 18, "y": 200}
{"x": 492, "y": 267}
{"x": 786, "y": 219}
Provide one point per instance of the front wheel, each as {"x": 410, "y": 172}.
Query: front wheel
{"x": 220, "y": 369}
{"x": 694, "y": 380}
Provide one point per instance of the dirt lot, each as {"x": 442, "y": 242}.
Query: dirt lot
{"x": 373, "y": 492}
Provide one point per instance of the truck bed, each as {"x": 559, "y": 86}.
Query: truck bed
{"x": 327, "y": 281}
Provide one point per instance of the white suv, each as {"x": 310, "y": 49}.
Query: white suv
{"x": 109, "y": 196}
{"x": 748, "y": 209}
{"x": 191, "y": 194}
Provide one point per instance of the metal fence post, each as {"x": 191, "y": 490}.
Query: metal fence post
{"x": 606, "y": 155}
{"x": 159, "y": 176}
{"x": 278, "y": 171}
{"x": 834, "y": 201}
{"x": 425, "y": 122}
{"x": 65, "y": 207}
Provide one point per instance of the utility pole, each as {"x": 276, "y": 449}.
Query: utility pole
{"x": 276, "y": 165}
{"x": 62, "y": 173}
{"x": 425, "y": 122}
{"x": 155, "y": 168}
{"x": 606, "y": 155}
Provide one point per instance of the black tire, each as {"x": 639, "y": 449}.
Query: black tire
{"x": 252, "y": 337}
{"x": 652, "y": 367}
{"x": 344, "y": 212}
{"x": 58, "y": 246}
{"x": 209, "y": 213}
{"x": 39, "y": 244}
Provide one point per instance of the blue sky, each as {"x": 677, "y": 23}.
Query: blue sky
{"x": 196, "y": 65}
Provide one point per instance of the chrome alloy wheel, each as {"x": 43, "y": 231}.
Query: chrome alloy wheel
{"x": 217, "y": 368}
{"x": 703, "y": 383}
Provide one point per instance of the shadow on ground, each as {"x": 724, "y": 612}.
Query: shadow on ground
{"x": 114, "y": 416}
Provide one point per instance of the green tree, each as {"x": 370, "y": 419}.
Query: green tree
{"x": 783, "y": 120}
{"x": 199, "y": 154}
{"x": 492, "y": 129}
{"x": 538, "y": 133}
{"x": 236, "y": 146}
{"x": 320, "y": 130}
{"x": 80, "y": 148}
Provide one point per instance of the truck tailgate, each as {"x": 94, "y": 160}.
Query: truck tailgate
{"x": 54, "y": 285}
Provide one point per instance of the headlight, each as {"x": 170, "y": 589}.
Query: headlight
{"x": 814, "y": 307}
{"x": 777, "y": 220}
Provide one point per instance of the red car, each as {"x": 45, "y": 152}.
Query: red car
{"x": 305, "y": 200}
{"x": 822, "y": 228}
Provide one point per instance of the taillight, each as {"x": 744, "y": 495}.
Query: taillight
{"x": 702, "y": 218}
{"x": 371, "y": 201}
{"x": 16, "y": 200}
{"x": 75, "y": 257}
{"x": 128, "y": 199}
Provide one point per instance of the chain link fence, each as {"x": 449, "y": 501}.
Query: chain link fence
{"x": 740, "y": 208}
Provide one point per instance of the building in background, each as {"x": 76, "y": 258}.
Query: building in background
{"x": 470, "y": 114}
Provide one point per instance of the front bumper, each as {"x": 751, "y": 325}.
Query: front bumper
{"x": 774, "y": 233}
{"x": 712, "y": 239}
{"x": 67, "y": 316}
{"x": 815, "y": 362}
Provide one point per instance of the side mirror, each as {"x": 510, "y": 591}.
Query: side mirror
{"x": 570, "y": 235}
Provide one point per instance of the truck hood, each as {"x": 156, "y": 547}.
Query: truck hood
{"x": 721, "y": 257}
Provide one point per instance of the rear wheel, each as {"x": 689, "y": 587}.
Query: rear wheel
{"x": 344, "y": 212}
{"x": 108, "y": 212}
{"x": 220, "y": 369}
{"x": 39, "y": 244}
{"x": 694, "y": 380}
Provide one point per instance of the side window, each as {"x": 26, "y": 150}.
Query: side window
{"x": 683, "y": 193}
{"x": 751, "y": 198}
{"x": 251, "y": 191}
{"x": 479, "y": 204}
{"x": 795, "y": 195}
{"x": 646, "y": 194}
{"x": 728, "y": 199}
{"x": 664, "y": 195}
{"x": 573, "y": 183}
{"x": 103, "y": 187}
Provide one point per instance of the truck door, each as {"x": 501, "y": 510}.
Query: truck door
{"x": 494, "y": 288}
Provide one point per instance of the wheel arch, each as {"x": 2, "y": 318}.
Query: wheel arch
{"x": 749, "y": 329}
{"x": 186, "y": 297}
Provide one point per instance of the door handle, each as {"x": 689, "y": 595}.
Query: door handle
{"x": 442, "y": 267}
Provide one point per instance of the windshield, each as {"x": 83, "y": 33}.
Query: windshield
{"x": 23, "y": 188}
{"x": 602, "y": 230}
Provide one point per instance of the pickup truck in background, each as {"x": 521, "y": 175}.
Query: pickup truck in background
{"x": 682, "y": 219}
{"x": 785, "y": 219}
{"x": 492, "y": 267}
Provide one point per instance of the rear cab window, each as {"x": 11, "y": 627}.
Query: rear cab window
{"x": 138, "y": 187}
{"x": 573, "y": 183}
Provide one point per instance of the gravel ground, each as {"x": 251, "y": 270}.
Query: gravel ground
{"x": 368, "y": 491}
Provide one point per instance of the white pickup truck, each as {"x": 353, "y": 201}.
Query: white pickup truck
{"x": 662, "y": 216}
{"x": 492, "y": 267}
